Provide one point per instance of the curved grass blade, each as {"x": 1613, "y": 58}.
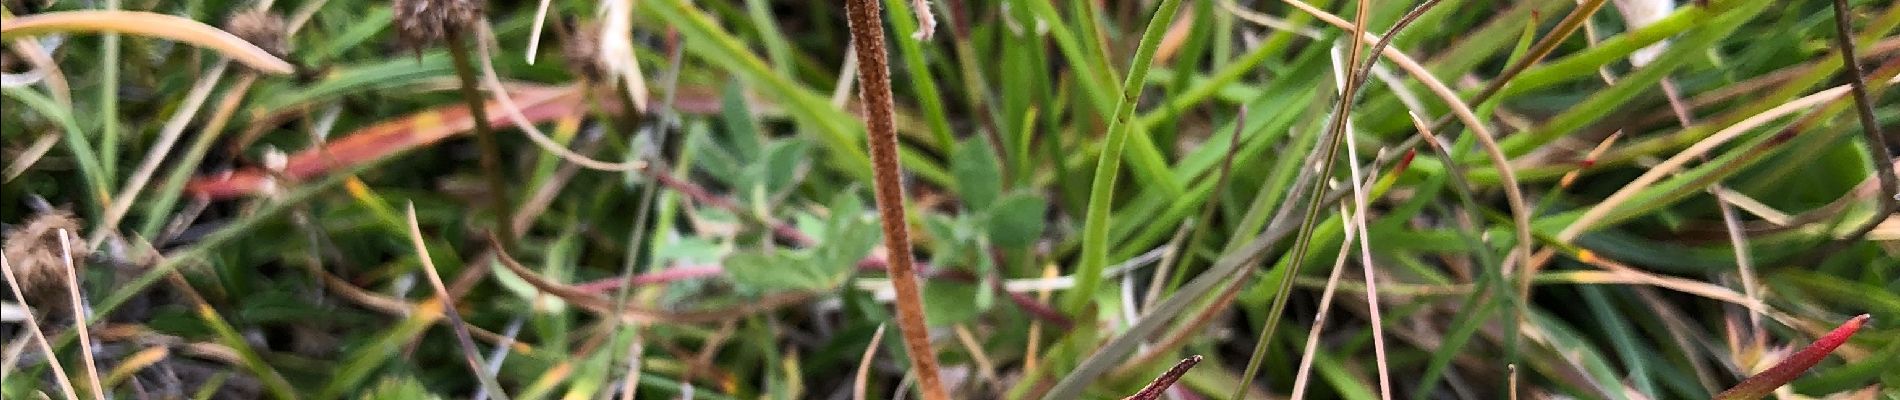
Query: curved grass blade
{"x": 1762, "y": 384}
{"x": 147, "y": 24}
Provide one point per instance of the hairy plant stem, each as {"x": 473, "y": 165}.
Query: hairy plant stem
{"x": 874, "y": 92}
{"x": 484, "y": 136}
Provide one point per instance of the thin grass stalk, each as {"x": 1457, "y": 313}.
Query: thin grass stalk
{"x": 82, "y": 151}
{"x": 1207, "y": 212}
{"x": 1491, "y": 276}
{"x": 1108, "y": 165}
{"x": 79, "y": 314}
{"x": 247, "y": 357}
{"x": 1302, "y": 374}
{"x": 167, "y": 137}
{"x": 1358, "y": 221}
{"x": 39, "y": 335}
{"x": 1870, "y": 130}
{"x": 484, "y": 135}
{"x": 470, "y": 353}
{"x": 862, "y": 379}
{"x": 640, "y": 250}
{"x": 513, "y": 112}
{"x": 109, "y": 100}
{"x": 874, "y": 92}
{"x": 1336, "y": 131}
{"x": 194, "y": 155}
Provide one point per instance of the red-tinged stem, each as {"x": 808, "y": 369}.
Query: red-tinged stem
{"x": 1762, "y": 384}
{"x": 1160, "y": 385}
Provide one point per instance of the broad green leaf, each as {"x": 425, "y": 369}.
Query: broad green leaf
{"x": 782, "y": 270}
{"x": 741, "y": 133}
{"x": 947, "y": 303}
{"x": 1016, "y": 221}
{"x": 950, "y": 236}
{"x": 779, "y": 169}
{"x": 979, "y": 180}
{"x": 849, "y": 235}
{"x": 687, "y": 250}
{"x": 399, "y": 387}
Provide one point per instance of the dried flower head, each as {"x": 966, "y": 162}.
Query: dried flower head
{"x": 420, "y": 23}
{"x": 582, "y": 52}
{"x": 262, "y": 28}
{"x": 34, "y": 253}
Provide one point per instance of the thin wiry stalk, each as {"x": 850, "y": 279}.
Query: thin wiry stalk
{"x": 182, "y": 172}
{"x": 79, "y": 314}
{"x": 39, "y": 335}
{"x": 247, "y": 357}
{"x": 863, "y": 378}
{"x": 984, "y": 367}
{"x": 1744, "y": 262}
{"x": 1602, "y": 209}
{"x": 1577, "y": 18}
{"x": 1336, "y": 130}
{"x": 534, "y": 34}
{"x": 1207, "y": 214}
{"x": 484, "y": 135}
{"x": 500, "y": 352}
{"x": 167, "y": 137}
{"x": 513, "y": 111}
{"x": 470, "y": 353}
{"x": 1461, "y": 186}
{"x": 1303, "y": 373}
{"x": 31, "y": 155}
{"x": 867, "y": 36}
{"x": 1514, "y": 196}
{"x": 1358, "y": 221}
{"x": 1870, "y": 130}
{"x": 639, "y": 258}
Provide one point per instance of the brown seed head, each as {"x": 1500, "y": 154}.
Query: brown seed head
{"x": 37, "y": 259}
{"x": 582, "y": 52}
{"x": 262, "y": 28}
{"x": 420, "y": 23}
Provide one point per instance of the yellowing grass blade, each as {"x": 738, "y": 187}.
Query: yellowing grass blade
{"x": 148, "y": 24}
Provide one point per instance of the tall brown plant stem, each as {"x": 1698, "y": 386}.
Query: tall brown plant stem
{"x": 874, "y": 91}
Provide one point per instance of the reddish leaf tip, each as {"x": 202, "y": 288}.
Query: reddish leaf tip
{"x": 1761, "y": 384}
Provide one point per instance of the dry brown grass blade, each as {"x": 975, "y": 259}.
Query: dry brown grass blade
{"x": 49, "y": 72}
{"x": 147, "y": 24}
{"x": 79, "y": 314}
{"x": 39, "y": 335}
{"x": 470, "y": 353}
{"x": 1654, "y": 174}
{"x": 859, "y": 383}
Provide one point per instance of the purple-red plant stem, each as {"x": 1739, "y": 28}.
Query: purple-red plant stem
{"x": 1160, "y": 385}
{"x": 874, "y": 90}
{"x": 1762, "y": 384}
